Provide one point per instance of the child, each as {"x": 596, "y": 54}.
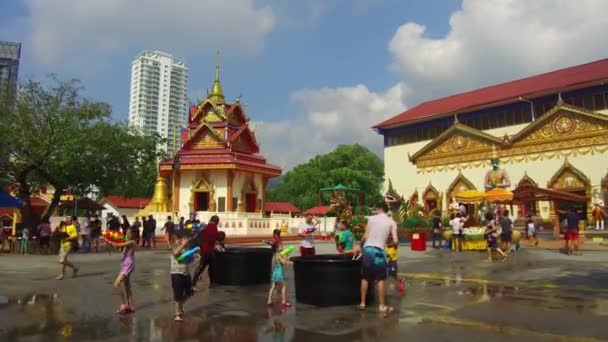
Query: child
{"x": 391, "y": 253}
{"x": 531, "y": 230}
{"x": 492, "y": 237}
{"x": 278, "y": 277}
{"x": 25, "y": 237}
{"x": 127, "y": 265}
{"x": 276, "y": 240}
{"x": 346, "y": 239}
{"x": 180, "y": 275}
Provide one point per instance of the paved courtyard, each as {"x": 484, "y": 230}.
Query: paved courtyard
{"x": 538, "y": 295}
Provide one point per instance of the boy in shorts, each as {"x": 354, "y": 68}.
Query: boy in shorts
{"x": 180, "y": 276}
{"x": 391, "y": 255}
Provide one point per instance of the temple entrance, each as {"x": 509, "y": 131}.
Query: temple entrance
{"x": 201, "y": 201}
{"x": 570, "y": 179}
{"x": 563, "y": 206}
{"x": 251, "y": 200}
{"x": 430, "y": 197}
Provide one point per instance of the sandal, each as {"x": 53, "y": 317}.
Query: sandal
{"x": 386, "y": 310}
{"x": 178, "y": 318}
{"x": 286, "y": 304}
{"x": 361, "y": 307}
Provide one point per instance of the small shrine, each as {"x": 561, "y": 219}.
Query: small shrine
{"x": 218, "y": 168}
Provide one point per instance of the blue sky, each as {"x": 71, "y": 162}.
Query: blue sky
{"x": 314, "y": 73}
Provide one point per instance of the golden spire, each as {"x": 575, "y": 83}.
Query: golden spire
{"x": 217, "y": 95}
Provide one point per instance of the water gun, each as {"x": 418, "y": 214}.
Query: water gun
{"x": 115, "y": 237}
{"x": 288, "y": 250}
{"x": 187, "y": 255}
{"x": 310, "y": 230}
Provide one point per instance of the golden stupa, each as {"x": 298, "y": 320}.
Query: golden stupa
{"x": 160, "y": 199}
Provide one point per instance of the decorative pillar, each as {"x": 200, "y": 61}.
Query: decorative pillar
{"x": 264, "y": 184}
{"x": 229, "y": 191}
{"x": 175, "y": 192}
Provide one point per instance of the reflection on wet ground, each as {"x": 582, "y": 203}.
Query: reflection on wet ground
{"x": 458, "y": 302}
{"x": 243, "y": 319}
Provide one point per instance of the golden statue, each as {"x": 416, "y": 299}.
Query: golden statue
{"x": 497, "y": 177}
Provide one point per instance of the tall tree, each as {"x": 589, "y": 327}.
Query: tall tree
{"x": 354, "y": 166}
{"x": 56, "y": 137}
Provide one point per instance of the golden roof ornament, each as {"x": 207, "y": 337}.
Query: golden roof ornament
{"x": 216, "y": 95}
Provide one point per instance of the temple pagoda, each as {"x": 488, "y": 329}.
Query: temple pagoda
{"x": 218, "y": 167}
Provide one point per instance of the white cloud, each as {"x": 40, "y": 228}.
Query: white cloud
{"x": 489, "y": 41}
{"x": 75, "y": 30}
{"x": 492, "y": 41}
{"x": 334, "y": 116}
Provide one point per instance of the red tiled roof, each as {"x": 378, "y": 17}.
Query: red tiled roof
{"x": 8, "y": 212}
{"x": 226, "y": 159}
{"x": 133, "y": 202}
{"x": 320, "y": 210}
{"x": 586, "y": 74}
{"x": 280, "y": 207}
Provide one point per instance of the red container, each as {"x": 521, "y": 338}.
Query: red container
{"x": 418, "y": 242}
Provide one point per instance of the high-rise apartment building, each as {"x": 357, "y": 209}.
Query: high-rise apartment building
{"x": 9, "y": 67}
{"x": 158, "y": 102}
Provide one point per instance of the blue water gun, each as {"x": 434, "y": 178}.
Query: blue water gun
{"x": 188, "y": 255}
{"x": 310, "y": 230}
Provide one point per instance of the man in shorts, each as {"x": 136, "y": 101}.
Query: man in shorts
{"x": 571, "y": 234}
{"x": 507, "y": 230}
{"x": 374, "y": 264}
{"x": 67, "y": 243}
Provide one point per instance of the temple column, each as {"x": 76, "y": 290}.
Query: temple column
{"x": 264, "y": 184}
{"x": 229, "y": 191}
{"x": 175, "y": 192}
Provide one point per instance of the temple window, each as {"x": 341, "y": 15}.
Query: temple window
{"x": 221, "y": 204}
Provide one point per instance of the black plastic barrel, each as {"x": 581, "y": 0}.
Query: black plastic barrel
{"x": 328, "y": 280}
{"x": 243, "y": 266}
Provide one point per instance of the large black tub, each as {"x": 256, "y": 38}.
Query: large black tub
{"x": 328, "y": 280}
{"x": 243, "y": 266}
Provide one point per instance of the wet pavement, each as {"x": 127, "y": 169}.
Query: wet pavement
{"x": 537, "y": 295}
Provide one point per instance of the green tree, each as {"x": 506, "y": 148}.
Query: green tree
{"x": 56, "y": 137}
{"x": 354, "y": 166}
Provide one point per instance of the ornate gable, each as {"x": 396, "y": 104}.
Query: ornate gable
{"x": 453, "y": 143}
{"x": 562, "y": 131}
{"x": 243, "y": 140}
{"x": 560, "y": 123}
{"x": 430, "y": 193}
{"x": 204, "y": 137}
{"x": 460, "y": 184}
{"x": 569, "y": 178}
{"x": 236, "y": 116}
{"x": 526, "y": 180}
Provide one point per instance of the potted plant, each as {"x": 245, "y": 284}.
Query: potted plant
{"x": 413, "y": 225}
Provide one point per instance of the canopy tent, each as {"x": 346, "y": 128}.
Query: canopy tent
{"x": 8, "y": 201}
{"x": 498, "y": 195}
{"x": 470, "y": 196}
{"x": 339, "y": 188}
{"x": 528, "y": 193}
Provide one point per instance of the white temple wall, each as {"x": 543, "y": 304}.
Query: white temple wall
{"x": 405, "y": 179}
{"x": 403, "y": 175}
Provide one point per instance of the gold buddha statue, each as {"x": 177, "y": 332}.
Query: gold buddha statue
{"x": 497, "y": 177}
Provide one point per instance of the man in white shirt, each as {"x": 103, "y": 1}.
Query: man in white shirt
{"x": 457, "y": 223}
{"x": 306, "y": 231}
{"x": 374, "y": 265}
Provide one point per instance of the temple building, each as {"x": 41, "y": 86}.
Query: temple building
{"x": 549, "y": 130}
{"x": 218, "y": 169}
